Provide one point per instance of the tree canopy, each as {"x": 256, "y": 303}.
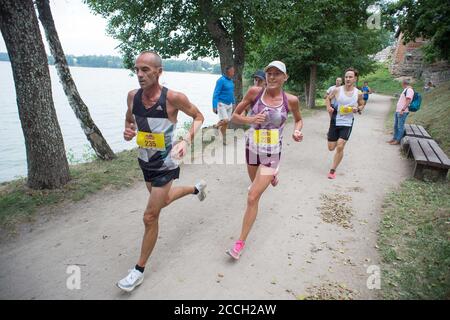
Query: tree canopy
{"x": 174, "y": 27}
{"x": 428, "y": 19}
{"x": 198, "y": 28}
{"x": 318, "y": 39}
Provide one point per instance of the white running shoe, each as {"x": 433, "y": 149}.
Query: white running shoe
{"x": 131, "y": 281}
{"x": 201, "y": 186}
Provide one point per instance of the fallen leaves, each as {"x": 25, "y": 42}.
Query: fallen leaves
{"x": 329, "y": 291}
{"x": 335, "y": 209}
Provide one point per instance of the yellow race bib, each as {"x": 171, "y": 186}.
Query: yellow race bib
{"x": 266, "y": 136}
{"x": 151, "y": 140}
{"x": 345, "y": 109}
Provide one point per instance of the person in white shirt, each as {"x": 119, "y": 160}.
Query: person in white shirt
{"x": 331, "y": 89}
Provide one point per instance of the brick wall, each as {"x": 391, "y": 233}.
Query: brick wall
{"x": 407, "y": 61}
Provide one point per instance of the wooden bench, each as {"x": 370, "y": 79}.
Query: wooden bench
{"x": 413, "y": 131}
{"x": 428, "y": 155}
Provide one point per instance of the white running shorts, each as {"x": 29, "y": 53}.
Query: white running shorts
{"x": 224, "y": 111}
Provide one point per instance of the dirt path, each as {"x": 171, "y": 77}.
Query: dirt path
{"x": 289, "y": 249}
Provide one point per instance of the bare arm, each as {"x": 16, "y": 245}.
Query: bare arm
{"x": 130, "y": 122}
{"x": 182, "y": 103}
{"x": 360, "y": 106}
{"x": 294, "y": 106}
{"x": 248, "y": 99}
{"x": 328, "y": 100}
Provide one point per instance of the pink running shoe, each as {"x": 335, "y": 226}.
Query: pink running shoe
{"x": 236, "y": 251}
{"x": 332, "y": 175}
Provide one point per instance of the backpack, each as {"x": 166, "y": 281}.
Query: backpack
{"x": 416, "y": 101}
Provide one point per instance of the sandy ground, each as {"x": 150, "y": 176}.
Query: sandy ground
{"x": 289, "y": 250}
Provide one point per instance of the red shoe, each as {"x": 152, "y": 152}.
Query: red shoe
{"x": 331, "y": 175}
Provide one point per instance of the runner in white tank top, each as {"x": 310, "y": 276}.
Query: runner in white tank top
{"x": 349, "y": 100}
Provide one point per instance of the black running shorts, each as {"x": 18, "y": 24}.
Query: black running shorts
{"x": 159, "y": 178}
{"x": 339, "y": 132}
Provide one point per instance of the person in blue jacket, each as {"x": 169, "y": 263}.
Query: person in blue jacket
{"x": 223, "y": 99}
{"x": 366, "y": 91}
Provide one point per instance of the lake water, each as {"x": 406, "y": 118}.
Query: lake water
{"x": 104, "y": 91}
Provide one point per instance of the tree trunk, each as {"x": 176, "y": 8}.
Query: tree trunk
{"x": 46, "y": 156}
{"x": 306, "y": 86}
{"x": 239, "y": 59}
{"x": 312, "y": 86}
{"x": 239, "y": 55}
{"x": 219, "y": 34}
{"x": 225, "y": 44}
{"x": 91, "y": 131}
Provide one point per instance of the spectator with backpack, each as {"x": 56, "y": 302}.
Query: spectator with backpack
{"x": 408, "y": 101}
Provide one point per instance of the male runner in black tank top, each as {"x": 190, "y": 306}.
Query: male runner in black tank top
{"x": 152, "y": 111}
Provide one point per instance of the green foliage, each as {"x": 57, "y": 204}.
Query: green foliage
{"x": 19, "y": 203}
{"x": 87, "y": 155}
{"x": 414, "y": 243}
{"x": 91, "y": 61}
{"x": 183, "y": 130}
{"x": 415, "y": 227}
{"x": 168, "y": 27}
{"x": 381, "y": 81}
{"x": 330, "y": 34}
{"x": 428, "y": 19}
{"x": 190, "y": 66}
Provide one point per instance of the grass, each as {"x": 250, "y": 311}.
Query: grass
{"x": 434, "y": 115}
{"x": 414, "y": 233}
{"x": 414, "y": 242}
{"x": 18, "y": 203}
{"x": 381, "y": 81}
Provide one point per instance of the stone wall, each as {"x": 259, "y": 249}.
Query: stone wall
{"x": 407, "y": 61}
{"x": 436, "y": 73}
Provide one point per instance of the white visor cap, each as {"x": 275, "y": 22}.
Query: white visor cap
{"x": 277, "y": 64}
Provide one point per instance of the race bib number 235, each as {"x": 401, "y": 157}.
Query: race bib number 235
{"x": 151, "y": 140}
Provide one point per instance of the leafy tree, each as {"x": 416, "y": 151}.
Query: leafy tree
{"x": 319, "y": 38}
{"x": 200, "y": 28}
{"x": 428, "y": 19}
